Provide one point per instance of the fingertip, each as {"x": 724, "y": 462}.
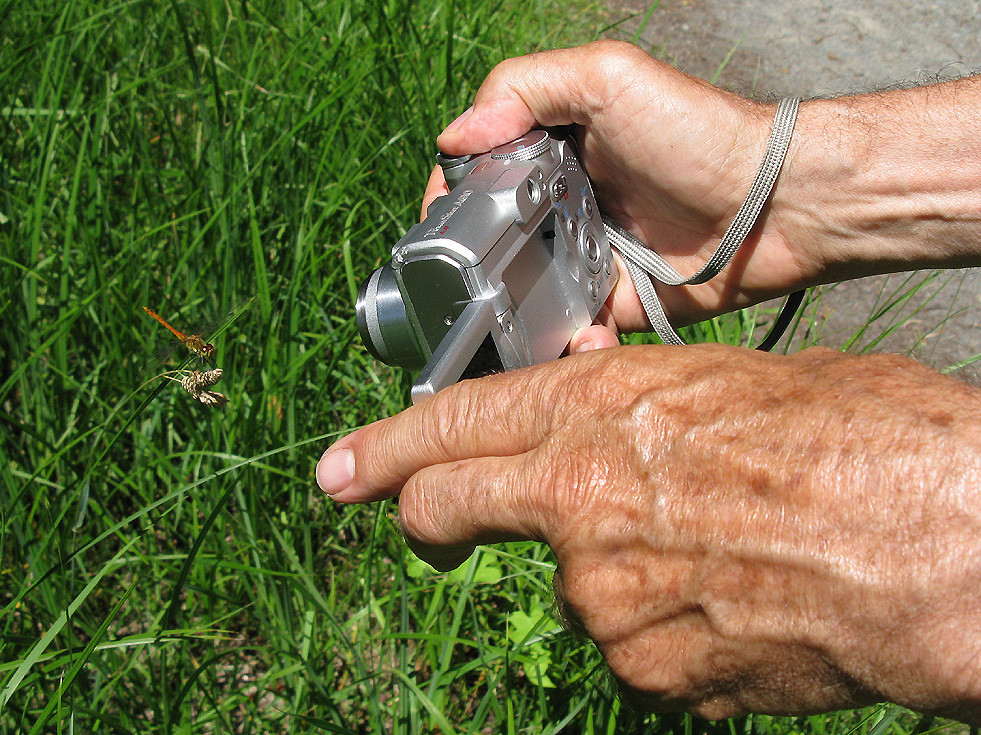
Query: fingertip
{"x": 428, "y": 531}
{"x": 335, "y": 470}
{"x": 453, "y": 138}
{"x": 447, "y": 563}
{"x": 460, "y": 121}
{"x": 595, "y": 337}
{"x": 341, "y": 478}
{"x": 486, "y": 125}
{"x": 442, "y": 559}
{"x": 625, "y": 303}
{"x": 436, "y": 187}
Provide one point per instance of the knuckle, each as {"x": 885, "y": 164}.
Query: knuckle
{"x": 584, "y": 594}
{"x": 577, "y": 477}
{"x": 506, "y": 76}
{"x": 619, "y": 60}
{"x": 449, "y": 422}
{"x": 593, "y": 383}
{"x": 653, "y": 676}
{"x": 718, "y": 708}
{"x": 591, "y": 591}
{"x": 420, "y": 515}
{"x": 506, "y": 412}
{"x": 615, "y": 51}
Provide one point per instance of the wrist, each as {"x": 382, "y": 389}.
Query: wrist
{"x": 899, "y": 447}
{"x": 931, "y": 629}
{"x": 884, "y": 182}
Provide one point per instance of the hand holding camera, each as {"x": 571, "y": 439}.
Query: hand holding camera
{"x": 501, "y": 273}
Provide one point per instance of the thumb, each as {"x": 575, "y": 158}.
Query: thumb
{"x": 549, "y": 88}
{"x": 594, "y": 337}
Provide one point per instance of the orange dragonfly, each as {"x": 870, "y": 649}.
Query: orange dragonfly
{"x": 193, "y": 342}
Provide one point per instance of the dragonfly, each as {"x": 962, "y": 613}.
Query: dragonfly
{"x": 195, "y": 343}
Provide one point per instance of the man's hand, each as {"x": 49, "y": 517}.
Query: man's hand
{"x": 670, "y": 157}
{"x": 737, "y": 531}
{"x": 872, "y": 184}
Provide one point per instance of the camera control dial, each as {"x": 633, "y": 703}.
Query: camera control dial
{"x": 528, "y": 146}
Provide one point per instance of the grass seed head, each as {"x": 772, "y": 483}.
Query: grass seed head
{"x": 212, "y": 398}
{"x": 196, "y": 382}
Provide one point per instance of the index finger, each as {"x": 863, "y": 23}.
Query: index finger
{"x": 545, "y": 88}
{"x": 497, "y": 416}
{"x": 435, "y": 188}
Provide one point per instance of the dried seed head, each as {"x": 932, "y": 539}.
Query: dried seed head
{"x": 196, "y": 382}
{"x": 212, "y": 398}
{"x": 211, "y": 377}
{"x": 193, "y": 382}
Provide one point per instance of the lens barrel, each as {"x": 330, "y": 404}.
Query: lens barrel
{"x": 383, "y": 322}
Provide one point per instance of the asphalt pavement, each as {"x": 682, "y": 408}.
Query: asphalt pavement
{"x": 768, "y": 48}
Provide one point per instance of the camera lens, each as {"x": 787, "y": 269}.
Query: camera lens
{"x": 383, "y": 322}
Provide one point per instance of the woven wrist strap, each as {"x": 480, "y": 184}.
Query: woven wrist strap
{"x": 643, "y": 264}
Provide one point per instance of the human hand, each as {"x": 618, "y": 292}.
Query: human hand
{"x": 737, "y": 531}
{"x": 872, "y": 183}
{"x": 670, "y": 156}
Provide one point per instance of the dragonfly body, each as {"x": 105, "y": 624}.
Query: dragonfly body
{"x": 193, "y": 342}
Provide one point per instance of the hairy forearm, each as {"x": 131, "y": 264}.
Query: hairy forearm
{"x": 885, "y": 182}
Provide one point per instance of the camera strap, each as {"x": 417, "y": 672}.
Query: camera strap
{"x": 645, "y": 266}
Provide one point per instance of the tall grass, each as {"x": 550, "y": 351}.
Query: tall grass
{"x": 165, "y": 567}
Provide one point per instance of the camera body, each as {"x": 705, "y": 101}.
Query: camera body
{"x": 501, "y": 273}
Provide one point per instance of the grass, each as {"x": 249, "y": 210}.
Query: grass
{"x": 169, "y": 568}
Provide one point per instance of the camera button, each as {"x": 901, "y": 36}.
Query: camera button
{"x": 589, "y": 247}
{"x": 560, "y": 189}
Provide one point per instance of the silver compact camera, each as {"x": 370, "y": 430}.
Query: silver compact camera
{"x": 501, "y": 273}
